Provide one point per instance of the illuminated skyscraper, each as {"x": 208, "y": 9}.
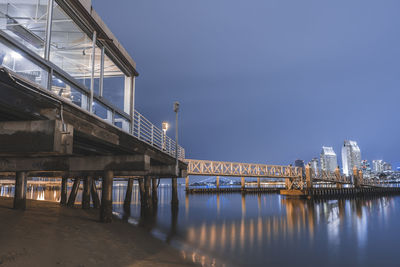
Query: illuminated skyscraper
{"x": 314, "y": 166}
{"x": 328, "y": 159}
{"x": 351, "y": 156}
{"x": 377, "y": 166}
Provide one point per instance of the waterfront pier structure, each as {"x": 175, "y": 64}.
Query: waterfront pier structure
{"x": 67, "y": 105}
{"x": 297, "y": 183}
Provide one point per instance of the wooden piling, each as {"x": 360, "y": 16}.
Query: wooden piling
{"x": 74, "y": 192}
{"x": 95, "y": 195}
{"x": 20, "y": 191}
{"x": 128, "y": 195}
{"x": 243, "y": 183}
{"x": 142, "y": 193}
{"x": 174, "y": 198}
{"x": 86, "y": 192}
{"x": 154, "y": 190}
{"x": 64, "y": 184}
{"x": 106, "y": 197}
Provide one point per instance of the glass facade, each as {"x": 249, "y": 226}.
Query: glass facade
{"x": 351, "y": 156}
{"x": 71, "y": 47}
{"x": 25, "y": 21}
{"x": 64, "y": 89}
{"x": 17, "y": 62}
{"x": 114, "y": 83}
{"x": 328, "y": 159}
{"x": 71, "y": 50}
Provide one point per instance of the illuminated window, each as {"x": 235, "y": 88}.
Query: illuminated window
{"x": 67, "y": 90}
{"x": 71, "y": 47}
{"x": 25, "y": 21}
{"x": 18, "y": 63}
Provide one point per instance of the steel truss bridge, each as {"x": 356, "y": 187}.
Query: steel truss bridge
{"x": 295, "y": 177}
{"x": 235, "y": 169}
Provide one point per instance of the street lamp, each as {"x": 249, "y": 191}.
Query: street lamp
{"x": 176, "y": 109}
{"x": 165, "y": 129}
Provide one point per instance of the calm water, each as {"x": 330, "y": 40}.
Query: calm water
{"x": 266, "y": 229}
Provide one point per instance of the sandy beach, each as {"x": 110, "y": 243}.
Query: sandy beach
{"x": 49, "y": 235}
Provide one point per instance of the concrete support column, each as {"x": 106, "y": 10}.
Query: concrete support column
{"x": 154, "y": 190}
{"x": 64, "y": 187}
{"x": 174, "y": 198}
{"x": 243, "y": 183}
{"x": 258, "y": 182}
{"x": 187, "y": 183}
{"x": 128, "y": 195}
{"x": 20, "y": 191}
{"x": 309, "y": 178}
{"x": 217, "y": 182}
{"x": 74, "y": 192}
{"x": 106, "y": 197}
{"x": 142, "y": 193}
{"x": 87, "y": 183}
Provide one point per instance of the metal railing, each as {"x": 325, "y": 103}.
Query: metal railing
{"x": 145, "y": 131}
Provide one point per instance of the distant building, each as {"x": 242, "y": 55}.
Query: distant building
{"x": 377, "y": 166}
{"x": 328, "y": 159}
{"x": 366, "y": 168}
{"x": 387, "y": 166}
{"x": 300, "y": 163}
{"x": 351, "y": 156}
{"x": 314, "y": 166}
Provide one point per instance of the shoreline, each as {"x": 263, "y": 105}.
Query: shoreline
{"x": 47, "y": 234}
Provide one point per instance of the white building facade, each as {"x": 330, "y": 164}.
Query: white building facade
{"x": 328, "y": 159}
{"x": 351, "y": 156}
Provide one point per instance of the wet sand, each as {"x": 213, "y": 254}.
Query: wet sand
{"x": 49, "y": 235}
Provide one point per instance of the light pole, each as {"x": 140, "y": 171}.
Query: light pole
{"x": 165, "y": 129}
{"x": 176, "y": 109}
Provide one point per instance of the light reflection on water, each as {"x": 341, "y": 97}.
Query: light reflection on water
{"x": 265, "y": 229}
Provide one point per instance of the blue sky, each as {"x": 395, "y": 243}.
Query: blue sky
{"x": 267, "y": 81}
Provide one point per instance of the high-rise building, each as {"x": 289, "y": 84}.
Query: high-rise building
{"x": 351, "y": 156}
{"x": 366, "y": 168}
{"x": 387, "y": 166}
{"x": 328, "y": 159}
{"x": 314, "y": 166}
{"x": 377, "y": 166}
{"x": 300, "y": 163}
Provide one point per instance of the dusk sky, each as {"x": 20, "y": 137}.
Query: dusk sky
{"x": 267, "y": 81}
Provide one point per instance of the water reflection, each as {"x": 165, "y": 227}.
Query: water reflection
{"x": 261, "y": 229}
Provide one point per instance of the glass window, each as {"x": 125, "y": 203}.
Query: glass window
{"x": 18, "y": 63}
{"x": 101, "y": 111}
{"x": 68, "y": 91}
{"x": 115, "y": 85}
{"x": 26, "y": 22}
{"x": 121, "y": 122}
{"x": 71, "y": 47}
